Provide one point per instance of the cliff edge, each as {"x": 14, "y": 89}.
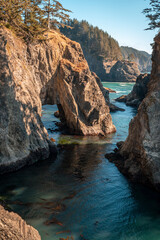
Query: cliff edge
{"x": 47, "y": 72}
{"x": 138, "y": 93}
{"x": 139, "y": 156}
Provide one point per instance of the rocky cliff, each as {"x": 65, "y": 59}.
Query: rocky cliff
{"x": 23, "y": 138}
{"x": 123, "y": 71}
{"x": 102, "y": 52}
{"x": 96, "y": 44}
{"x": 142, "y": 58}
{"x": 14, "y": 227}
{"x": 47, "y": 72}
{"x": 138, "y": 93}
{"x": 139, "y": 155}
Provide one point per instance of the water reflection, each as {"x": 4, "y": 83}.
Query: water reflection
{"x": 81, "y": 195}
{"x": 80, "y": 160}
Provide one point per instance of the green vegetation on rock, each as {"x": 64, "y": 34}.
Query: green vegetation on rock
{"x": 153, "y": 14}
{"x": 30, "y": 18}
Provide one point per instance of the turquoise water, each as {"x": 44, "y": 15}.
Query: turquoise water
{"x": 81, "y": 195}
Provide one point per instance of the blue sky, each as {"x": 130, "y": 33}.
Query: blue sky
{"x": 122, "y": 19}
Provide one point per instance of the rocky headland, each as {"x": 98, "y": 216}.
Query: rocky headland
{"x": 142, "y": 58}
{"x": 47, "y": 72}
{"x": 138, "y": 93}
{"x": 139, "y": 156}
{"x": 104, "y": 55}
{"x": 123, "y": 71}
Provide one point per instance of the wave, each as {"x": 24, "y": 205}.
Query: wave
{"x": 120, "y": 91}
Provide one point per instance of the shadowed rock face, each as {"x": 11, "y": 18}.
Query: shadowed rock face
{"x": 51, "y": 72}
{"x": 23, "y": 138}
{"x": 123, "y": 71}
{"x": 141, "y": 150}
{"x": 138, "y": 93}
{"x": 13, "y": 226}
{"x": 80, "y": 94}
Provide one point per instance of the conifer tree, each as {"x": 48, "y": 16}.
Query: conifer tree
{"x": 153, "y": 14}
{"x": 56, "y": 14}
{"x": 94, "y": 41}
{"x": 10, "y": 11}
{"x": 30, "y": 18}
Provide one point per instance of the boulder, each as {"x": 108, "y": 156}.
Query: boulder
{"x": 12, "y": 226}
{"x": 112, "y": 107}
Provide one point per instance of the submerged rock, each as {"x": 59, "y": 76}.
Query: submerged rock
{"x": 112, "y": 107}
{"x": 56, "y": 114}
{"x": 138, "y": 93}
{"x": 121, "y": 98}
{"x": 110, "y": 90}
{"x": 139, "y": 155}
{"x": 13, "y": 227}
{"x": 48, "y": 72}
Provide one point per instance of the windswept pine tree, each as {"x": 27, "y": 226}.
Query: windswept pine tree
{"x": 30, "y": 18}
{"x": 153, "y": 14}
{"x": 55, "y": 14}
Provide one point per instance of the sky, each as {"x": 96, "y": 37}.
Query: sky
{"x": 122, "y": 19}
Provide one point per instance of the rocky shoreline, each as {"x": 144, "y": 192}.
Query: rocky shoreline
{"x": 12, "y": 226}
{"x": 138, "y": 92}
{"x": 56, "y": 72}
{"x": 139, "y": 156}
{"x": 123, "y": 71}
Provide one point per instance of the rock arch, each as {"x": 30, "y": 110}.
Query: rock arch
{"x": 50, "y": 72}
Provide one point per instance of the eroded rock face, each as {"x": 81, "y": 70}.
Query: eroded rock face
{"x": 23, "y": 138}
{"x": 14, "y": 227}
{"x": 82, "y": 100}
{"x": 50, "y": 72}
{"x": 68, "y": 82}
{"x": 140, "y": 153}
{"x": 138, "y": 93}
{"x": 142, "y": 58}
{"x": 123, "y": 71}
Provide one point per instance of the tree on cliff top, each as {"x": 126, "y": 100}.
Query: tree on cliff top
{"x": 153, "y": 14}
{"x": 94, "y": 41}
{"x": 56, "y": 15}
{"x": 30, "y": 18}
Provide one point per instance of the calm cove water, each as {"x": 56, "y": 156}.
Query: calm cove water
{"x": 81, "y": 195}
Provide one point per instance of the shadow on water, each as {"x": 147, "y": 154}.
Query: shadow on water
{"x": 84, "y": 196}
{"x": 80, "y": 160}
